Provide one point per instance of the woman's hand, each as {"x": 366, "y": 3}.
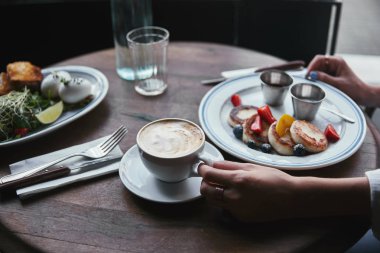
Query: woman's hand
{"x": 251, "y": 192}
{"x": 335, "y": 71}
{"x": 258, "y": 193}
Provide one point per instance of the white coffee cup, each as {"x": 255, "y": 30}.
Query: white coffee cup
{"x": 172, "y": 148}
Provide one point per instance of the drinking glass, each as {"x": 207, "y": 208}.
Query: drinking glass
{"x": 148, "y": 48}
{"x": 127, "y": 15}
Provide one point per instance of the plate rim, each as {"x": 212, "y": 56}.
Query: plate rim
{"x": 289, "y": 166}
{"x": 97, "y": 74}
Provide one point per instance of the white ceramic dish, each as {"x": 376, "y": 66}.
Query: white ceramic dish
{"x": 136, "y": 177}
{"x": 99, "y": 90}
{"x": 215, "y": 108}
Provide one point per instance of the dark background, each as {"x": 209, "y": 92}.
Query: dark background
{"x": 47, "y": 31}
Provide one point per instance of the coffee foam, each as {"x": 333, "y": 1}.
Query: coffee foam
{"x": 170, "y": 138}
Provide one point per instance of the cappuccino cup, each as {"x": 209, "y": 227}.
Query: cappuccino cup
{"x": 172, "y": 148}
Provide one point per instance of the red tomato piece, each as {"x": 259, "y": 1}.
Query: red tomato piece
{"x": 331, "y": 133}
{"x": 21, "y": 131}
{"x": 236, "y": 100}
{"x": 266, "y": 114}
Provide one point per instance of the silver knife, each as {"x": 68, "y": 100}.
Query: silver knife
{"x": 84, "y": 166}
{"x": 292, "y": 65}
{"x": 61, "y": 171}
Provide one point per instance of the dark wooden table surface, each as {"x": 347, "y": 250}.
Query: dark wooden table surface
{"x": 101, "y": 215}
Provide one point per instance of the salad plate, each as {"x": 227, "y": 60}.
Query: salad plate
{"x": 99, "y": 89}
{"x": 215, "y": 108}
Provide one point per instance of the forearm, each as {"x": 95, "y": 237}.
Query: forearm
{"x": 373, "y": 99}
{"x": 328, "y": 197}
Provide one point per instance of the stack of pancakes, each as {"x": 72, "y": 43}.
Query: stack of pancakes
{"x": 300, "y": 132}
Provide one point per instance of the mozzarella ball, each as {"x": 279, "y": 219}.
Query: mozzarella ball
{"x": 50, "y": 84}
{"x": 75, "y": 91}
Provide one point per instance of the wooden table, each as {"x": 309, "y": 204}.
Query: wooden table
{"x": 101, "y": 215}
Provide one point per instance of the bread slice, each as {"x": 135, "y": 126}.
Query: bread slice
{"x": 24, "y": 74}
{"x": 4, "y": 84}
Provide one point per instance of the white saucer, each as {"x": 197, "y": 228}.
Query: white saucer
{"x": 141, "y": 182}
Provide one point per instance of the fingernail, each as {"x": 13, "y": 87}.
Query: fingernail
{"x": 313, "y": 75}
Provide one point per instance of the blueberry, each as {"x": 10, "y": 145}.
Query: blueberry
{"x": 251, "y": 144}
{"x": 299, "y": 150}
{"x": 238, "y": 131}
{"x": 266, "y": 148}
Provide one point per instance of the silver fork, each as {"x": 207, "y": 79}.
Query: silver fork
{"x": 98, "y": 151}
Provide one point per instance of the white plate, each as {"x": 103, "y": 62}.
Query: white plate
{"x": 215, "y": 108}
{"x": 99, "y": 90}
{"x": 136, "y": 177}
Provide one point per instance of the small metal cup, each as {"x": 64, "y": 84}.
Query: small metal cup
{"x": 275, "y": 85}
{"x": 306, "y": 99}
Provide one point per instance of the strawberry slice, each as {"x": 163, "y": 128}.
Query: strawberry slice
{"x": 257, "y": 125}
{"x": 266, "y": 114}
{"x": 331, "y": 133}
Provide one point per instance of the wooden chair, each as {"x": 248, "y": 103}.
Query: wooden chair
{"x": 289, "y": 29}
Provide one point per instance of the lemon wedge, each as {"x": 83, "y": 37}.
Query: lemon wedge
{"x": 50, "y": 114}
{"x": 283, "y": 124}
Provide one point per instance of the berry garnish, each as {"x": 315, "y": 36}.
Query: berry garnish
{"x": 266, "y": 147}
{"x": 251, "y": 144}
{"x": 299, "y": 150}
{"x": 238, "y": 131}
{"x": 236, "y": 100}
{"x": 331, "y": 133}
{"x": 266, "y": 114}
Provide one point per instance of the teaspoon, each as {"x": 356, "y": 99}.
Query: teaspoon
{"x": 346, "y": 118}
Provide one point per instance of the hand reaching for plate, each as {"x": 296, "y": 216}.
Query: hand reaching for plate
{"x": 335, "y": 71}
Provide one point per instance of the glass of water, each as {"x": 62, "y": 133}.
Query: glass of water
{"x": 127, "y": 15}
{"x": 148, "y": 48}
